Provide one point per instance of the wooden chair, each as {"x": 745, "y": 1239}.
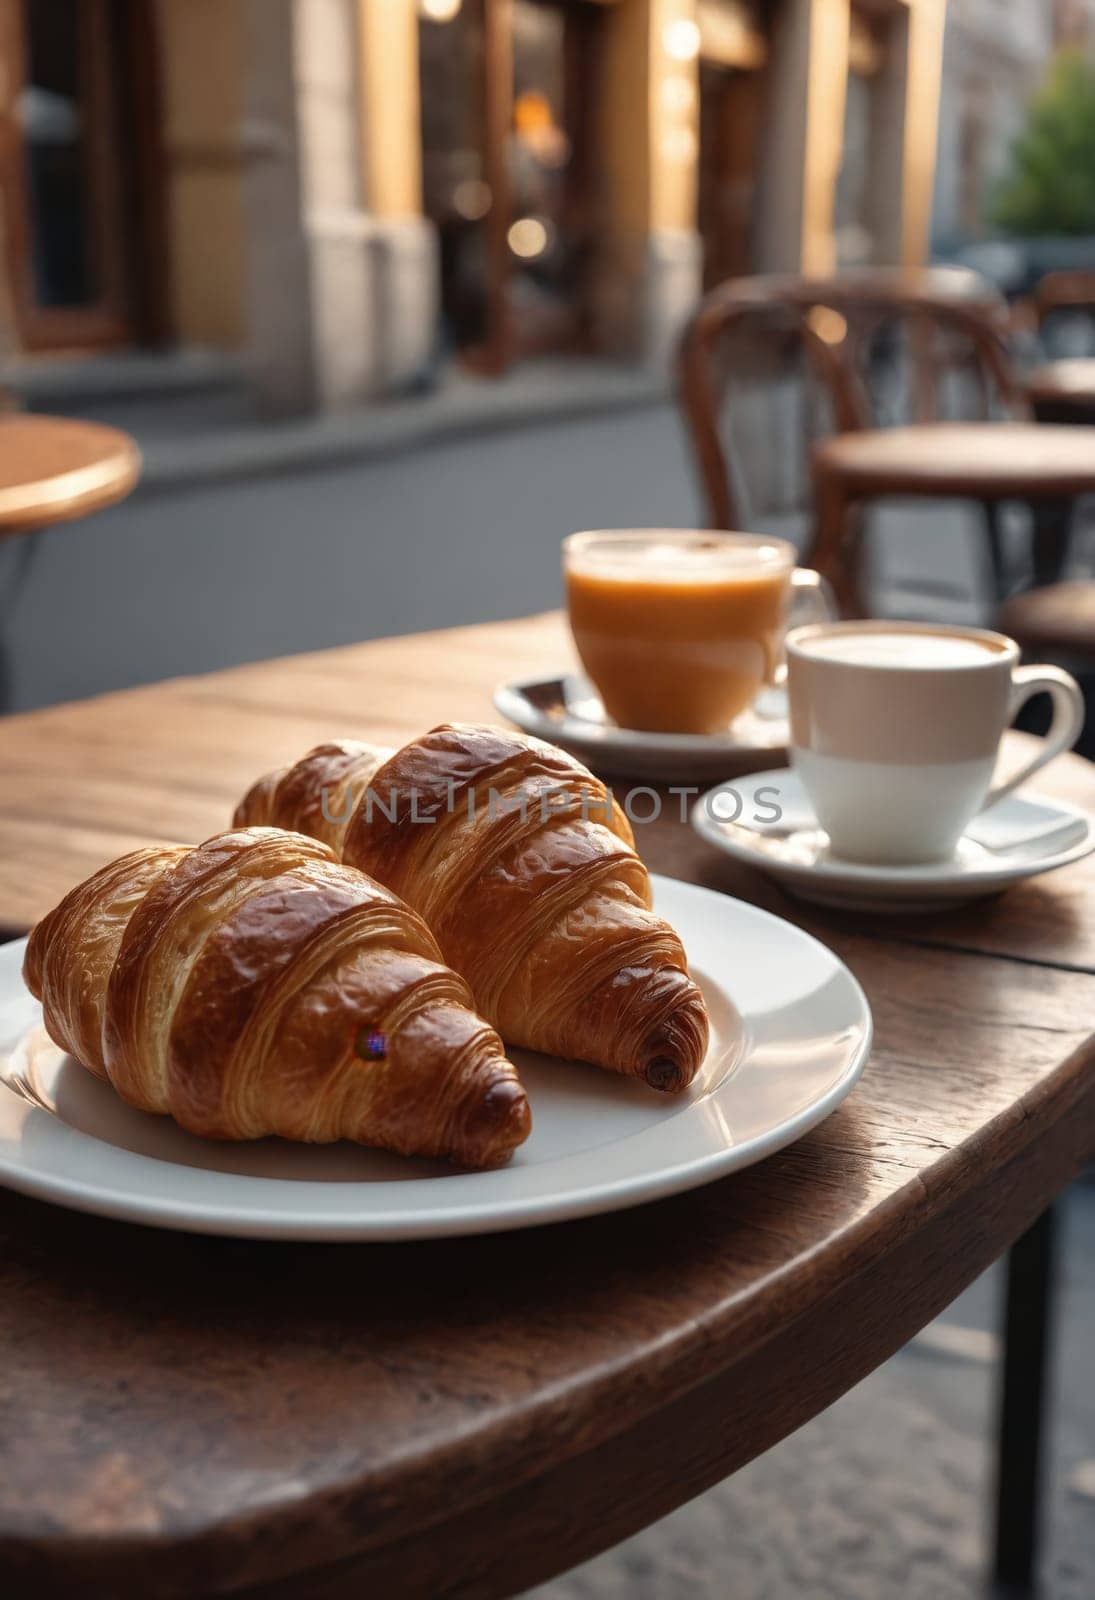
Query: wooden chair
{"x": 1061, "y": 390}
{"x": 1053, "y": 293}
{"x": 838, "y": 319}
{"x": 953, "y": 323}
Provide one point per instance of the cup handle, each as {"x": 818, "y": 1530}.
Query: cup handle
{"x": 812, "y": 600}
{"x": 1068, "y": 720}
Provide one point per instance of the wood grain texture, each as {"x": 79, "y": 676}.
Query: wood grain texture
{"x": 192, "y": 1417}
{"x": 53, "y": 469}
{"x": 81, "y": 783}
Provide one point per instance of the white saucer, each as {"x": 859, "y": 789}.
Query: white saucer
{"x": 1022, "y": 836}
{"x": 568, "y": 711}
{"x": 791, "y": 1030}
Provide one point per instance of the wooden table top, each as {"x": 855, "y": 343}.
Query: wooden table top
{"x": 986, "y": 460}
{"x": 192, "y": 1416}
{"x": 53, "y": 469}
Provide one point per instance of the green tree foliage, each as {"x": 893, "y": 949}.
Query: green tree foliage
{"x": 1050, "y": 187}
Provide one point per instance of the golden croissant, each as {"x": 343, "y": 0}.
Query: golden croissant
{"x": 526, "y": 873}
{"x": 256, "y": 986}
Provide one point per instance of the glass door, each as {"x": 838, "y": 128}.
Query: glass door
{"x": 457, "y": 193}
{"x": 730, "y": 108}
{"x": 507, "y": 102}
{"x": 550, "y": 237}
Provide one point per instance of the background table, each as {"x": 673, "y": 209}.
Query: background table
{"x": 199, "y": 1416}
{"x": 53, "y": 469}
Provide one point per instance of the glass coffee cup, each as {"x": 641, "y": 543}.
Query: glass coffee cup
{"x": 680, "y": 629}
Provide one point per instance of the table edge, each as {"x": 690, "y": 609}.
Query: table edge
{"x": 567, "y": 1425}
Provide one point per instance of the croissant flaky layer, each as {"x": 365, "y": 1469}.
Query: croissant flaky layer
{"x": 527, "y": 875}
{"x": 257, "y": 986}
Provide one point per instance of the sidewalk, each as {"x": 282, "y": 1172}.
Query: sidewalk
{"x": 884, "y": 1496}
{"x": 194, "y": 417}
{"x": 237, "y": 547}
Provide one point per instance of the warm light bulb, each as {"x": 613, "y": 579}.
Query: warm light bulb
{"x": 471, "y": 199}
{"x": 681, "y": 39}
{"x": 438, "y": 10}
{"x": 828, "y": 324}
{"x": 527, "y": 238}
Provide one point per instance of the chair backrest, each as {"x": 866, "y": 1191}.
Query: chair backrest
{"x": 1060, "y": 298}
{"x": 1063, "y": 291}
{"x": 950, "y": 321}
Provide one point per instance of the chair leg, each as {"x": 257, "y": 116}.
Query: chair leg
{"x": 23, "y": 555}
{"x": 1050, "y": 537}
{"x": 836, "y": 549}
{"x": 1027, "y": 1308}
{"x": 994, "y": 538}
{"x": 6, "y": 675}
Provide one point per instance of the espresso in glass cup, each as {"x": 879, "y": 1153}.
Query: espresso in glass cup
{"x": 678, "y": 629}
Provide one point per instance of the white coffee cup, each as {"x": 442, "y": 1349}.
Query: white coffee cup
{"x": 896, "y": 729}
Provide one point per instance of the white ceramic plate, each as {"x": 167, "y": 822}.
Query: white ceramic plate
{"x": 568, "y": 711}
{"x": 791, "y": 1033}
{"x": 1024, "y": 835}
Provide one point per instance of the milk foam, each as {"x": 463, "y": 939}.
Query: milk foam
{"x": 693, "y": 560}
{"x": 873, "y": 648}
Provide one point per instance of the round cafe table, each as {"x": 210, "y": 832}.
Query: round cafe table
{"x": 192, "y": 1417}
{"x": 54, "y": 469}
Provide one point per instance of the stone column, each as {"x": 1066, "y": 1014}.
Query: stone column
{"x": 201, "y": 70}
{"x": 808, "y": 79}
{"x": 904, "y": 133}
{"x": 648, "y": 138}
{"x": 310, "y": 257}
{"x": 405, "y": 253}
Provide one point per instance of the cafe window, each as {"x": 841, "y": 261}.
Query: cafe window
{"x": 507, "y": 98}
{"x": 552, "y": 236}
{"x": 456, "y": 194}
{"x": 75, "y": 169}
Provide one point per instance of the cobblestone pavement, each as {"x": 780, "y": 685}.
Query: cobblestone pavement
{"x": 884, "y": 1496}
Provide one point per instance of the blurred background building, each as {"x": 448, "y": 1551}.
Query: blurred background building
{"x": 995, "y": 59}
{"x": 386, "y": 290}
{"x": 348, "y": 193}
